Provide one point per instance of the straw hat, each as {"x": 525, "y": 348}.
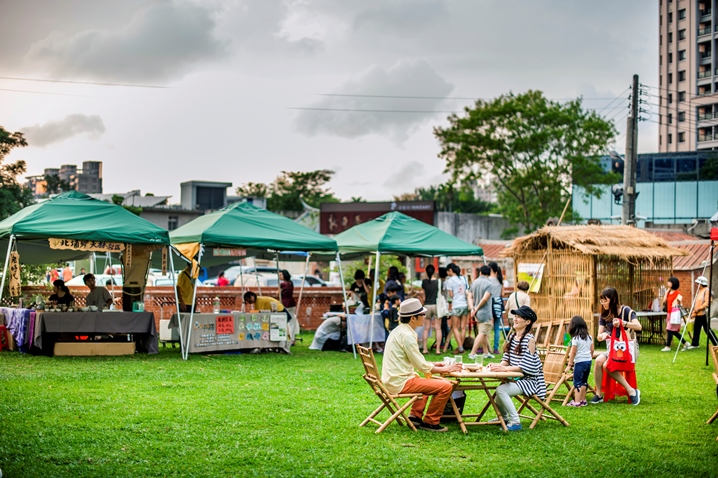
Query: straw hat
{"x": 411, "y": 307}
{"x": 702, "y": 280}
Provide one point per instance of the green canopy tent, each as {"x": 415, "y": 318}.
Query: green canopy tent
{"x": 398, "y": 234}
{"x": 244, "y": 230}
{"x": 78, "y": 224}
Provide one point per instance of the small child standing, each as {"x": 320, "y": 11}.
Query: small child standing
{"x": 580, "y": 359}
{"x": 390, "y": 312}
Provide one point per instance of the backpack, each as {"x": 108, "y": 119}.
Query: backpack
{"x": 460, "y": 399}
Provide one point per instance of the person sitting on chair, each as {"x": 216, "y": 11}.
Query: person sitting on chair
{"x": 61, "y": 293}
{"x": 98, "y": 296}
{"x": 402, "y": 358}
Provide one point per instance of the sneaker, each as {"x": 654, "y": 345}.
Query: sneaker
{"x": 496, "y": 420}
{"x": 488, "y": 356}
{"x": 433, "y": 428}
{"x": 459, "y": 351}
{"x": 596, "y": 399}
{"x": 513, "y": 427}
{"x": 691, "y": 347}
{"x": 418, "y": 422}
{"x": 666, "y": 349}
{"x": 583, "y": 403}
{"x": 635, "y": 399}
{"x": 496, "y": 351}
{"x": 573, "y": 403}
{"x": 472, "y": 356}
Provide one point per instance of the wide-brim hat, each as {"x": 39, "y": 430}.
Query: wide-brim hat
{"x": 411, "y": 307}
{"x": 702, "y": 280}
{"x": 526, "y": 312}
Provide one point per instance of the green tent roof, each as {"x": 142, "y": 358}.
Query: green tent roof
{"x": 75, "y": 215}
{"x": 397, "y": 233}
{"x": 242, "y": 225}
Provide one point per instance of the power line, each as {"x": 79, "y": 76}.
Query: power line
{"x": 44, "y": 93}
{"x": 439, "y": 97}
{"x": 352, "y": 110}
{"x": 82, "y": 82}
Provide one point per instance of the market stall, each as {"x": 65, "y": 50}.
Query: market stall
{"x": 73, "y": 226}
{"x": 395, "y": 233}
{"x": 234, "y": 232}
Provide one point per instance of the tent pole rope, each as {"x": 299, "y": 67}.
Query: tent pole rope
{"x": 194, "y": 299}
{"x": 5, "y": 266}
{"x": 346, "y": 304}
{"x": 174, "y": 287}
{"x": 301, "y": 290}
{"x": 373, "y": 300}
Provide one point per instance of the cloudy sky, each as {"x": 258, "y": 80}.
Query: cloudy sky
{"x": 241, "y": 90}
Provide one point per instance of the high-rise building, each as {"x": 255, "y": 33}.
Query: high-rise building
{"x": 688, "y": 75}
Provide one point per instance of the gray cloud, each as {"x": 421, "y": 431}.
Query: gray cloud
{"x": 56, "y": 131}
{"x": 405, "y": 78}
{"x": 160, "y": 42}
{"x": 406, "y": 178}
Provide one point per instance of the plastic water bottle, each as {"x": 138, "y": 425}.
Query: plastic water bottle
{"x": 215, "y": 305}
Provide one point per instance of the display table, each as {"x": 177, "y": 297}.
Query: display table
{"x": 360, "y": 329}
{"x": 652, "y": 327}
{"x": 234, "y": 331}
{"x": 480, "y": 380}
{"x": 49, "y": 325}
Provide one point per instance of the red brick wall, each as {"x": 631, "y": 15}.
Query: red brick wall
{"x": 161, "y": 300}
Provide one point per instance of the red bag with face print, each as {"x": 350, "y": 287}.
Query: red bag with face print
{"x": 620, "y": 352}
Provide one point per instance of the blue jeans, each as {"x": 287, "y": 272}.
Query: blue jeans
{"x": 581, "y": 370}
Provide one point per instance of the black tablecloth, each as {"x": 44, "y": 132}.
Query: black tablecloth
{"x": 140, "y": 324}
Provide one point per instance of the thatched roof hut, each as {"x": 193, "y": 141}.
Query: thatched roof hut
{"x": 579, "y": 261}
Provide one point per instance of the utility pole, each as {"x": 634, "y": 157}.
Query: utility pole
{"x": 629, "y": 166}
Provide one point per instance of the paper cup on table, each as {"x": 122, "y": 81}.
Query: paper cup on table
{"x": 448, "y": 361}
{"x": 458, "y": 359}
{"x": 479, "y": 360}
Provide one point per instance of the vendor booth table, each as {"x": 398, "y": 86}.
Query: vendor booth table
{"x": 42, "y": 329}
{"x": 234, "y": 331}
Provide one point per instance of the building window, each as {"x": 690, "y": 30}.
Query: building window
{"x": 172, "y": 222}
{"x": 660, "y": 139}
{"x": 681, "y": 55}
{"x": 681, "y": 137}
{"x": 670, "y": 37}
{"x": 681, "y": 14}
{"x": 670, "y": 138}
{"x": 670, "y": 78}
{"x": 682, "y": 34}
{"x": 670, "y": 17}
{"x": 670, "y": 58}
{"x": 670, "y": 118}
{"x": 681, "y": 96}
{"x": 682, "y": 75}
{"x": 660, "y": 60}
{"x": 670, "y": 98}
{"x": 681, "y": 116}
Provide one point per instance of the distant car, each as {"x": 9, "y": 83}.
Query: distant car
{"x": 311, "y": 280}
{"x": 270, "y": 280}
{"x": 232, "y": 273}
{"x": 100, "y": 279}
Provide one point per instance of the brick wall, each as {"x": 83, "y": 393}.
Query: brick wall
{"x": 161, "y": 300}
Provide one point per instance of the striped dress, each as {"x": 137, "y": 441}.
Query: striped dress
{"x": 530, "y": 364}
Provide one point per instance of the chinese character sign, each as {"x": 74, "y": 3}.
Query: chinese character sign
{"x": 82, "y": 245}
{"x": 14, "y": 274}
{"x": 225, "y": 324}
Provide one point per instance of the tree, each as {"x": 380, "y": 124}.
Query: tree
{"x": 13, "y": 196}
{"x": 55, "y": 185}
{"x": 449, "y": 198}
{"x": 292, "y": 187}
{"x": 535, "y": 148}
{"x": 255, "y": 190}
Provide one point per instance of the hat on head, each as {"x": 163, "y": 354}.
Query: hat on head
{"x": 702, "y": 280}
{"x": 411, "y": 307}
{"x": 526, "y": 312}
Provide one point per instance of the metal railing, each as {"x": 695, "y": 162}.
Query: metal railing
{"x": 705, "y": 137}
{"x": 704, "y": 31}
{"x": 705, "y": 116}
{"x": 704, "y": 74}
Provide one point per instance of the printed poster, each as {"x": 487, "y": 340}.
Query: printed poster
{"x": 278, "y": 327}
{"x": 224, "y": 325}
{"x": 531, "y": 273}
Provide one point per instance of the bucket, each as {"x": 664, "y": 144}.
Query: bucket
{"x": 131, "y": 293}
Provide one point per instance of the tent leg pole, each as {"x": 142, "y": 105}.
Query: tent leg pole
{"x": 192, "y": 306}
{"x": 5, "y": 266}
{"x": 710, "y": 300}
{"x": 179, "y": 313}
{"x": 301, "y": 290}
{"x": 346, "y": 304}
{"x": 373, "y": 299}
{"x": 241, "y": 282}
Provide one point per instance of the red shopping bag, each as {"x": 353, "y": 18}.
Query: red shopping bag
{"x": 620, "y": 358}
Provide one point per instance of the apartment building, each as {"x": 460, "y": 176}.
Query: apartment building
{"x": 688, "y": 75}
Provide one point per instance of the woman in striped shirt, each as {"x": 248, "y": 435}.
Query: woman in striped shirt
{"x": 519, "y": 356}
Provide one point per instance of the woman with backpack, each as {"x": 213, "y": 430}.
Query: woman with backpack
{"x": 497, "y": 305}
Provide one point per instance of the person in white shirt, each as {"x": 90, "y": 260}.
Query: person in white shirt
{"x": 402, "y": 360}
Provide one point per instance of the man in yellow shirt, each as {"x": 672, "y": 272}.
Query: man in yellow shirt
{"x": 261, "y": 302}
{"x": 185, "y": 289}
{"x": 402, "y": 359}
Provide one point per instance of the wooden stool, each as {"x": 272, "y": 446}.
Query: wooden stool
{"x": 611, "y": 388}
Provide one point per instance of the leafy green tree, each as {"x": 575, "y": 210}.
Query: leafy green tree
{"x": 13, "y": 195}
{"x": 292, "y": 187}
{"x": 55, "y": 185}
{"x": 256, "y": 190}
{"x": 452, "y": 198}
{"x": 534, "y": 147}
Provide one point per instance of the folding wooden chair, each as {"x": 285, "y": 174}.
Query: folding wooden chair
{"x": 542, "y": 333}
{"x": 555, "y": 377}
{"x": 714, "y": 352}
{"x": 388, "y": 400}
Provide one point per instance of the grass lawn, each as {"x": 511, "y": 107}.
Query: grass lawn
{"x": 298, "y": 415}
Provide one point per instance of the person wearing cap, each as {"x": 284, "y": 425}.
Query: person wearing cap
{"x": 402, "y": 360}
{"x": 519, "y": 356}
{"x": 98, "y": 296}
{"x": 700, "y": 314}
